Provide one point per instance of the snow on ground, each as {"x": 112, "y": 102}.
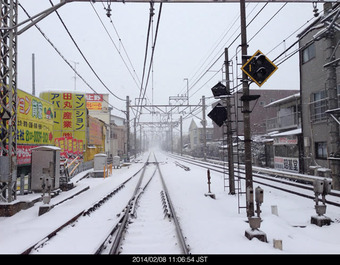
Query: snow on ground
{"x": 211, "y": 226}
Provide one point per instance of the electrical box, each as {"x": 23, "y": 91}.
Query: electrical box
{"x": 45, "y": 161}
{"x": 327, "y": 186}
{"x": 318, "y": 186}
{"x": 99, "y": 162}
{"x": 250, "y": 194}
{"x": 116, "y": 162}
{"x": 259, "y": 195}
{"x": 4, "y": 165}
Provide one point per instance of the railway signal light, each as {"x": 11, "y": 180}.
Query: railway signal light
{"x": 218, "y": 114}
{"x": 219, "y": 90}
{"x": 259, "y": 68}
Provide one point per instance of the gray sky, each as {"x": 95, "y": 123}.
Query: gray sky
{"x": 190, "y": 38}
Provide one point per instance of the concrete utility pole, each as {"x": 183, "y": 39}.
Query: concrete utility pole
{"x": 33, "y": 74}
{"x": 187, "y": 90}
{"x": 229, "y": 129}
{"x": 135, "y": 136}
{"x": 204, "y": 123}
{"x": 128, "y": 128}
{"x": 246, "y": 116}
{"x": 181, "y": 132}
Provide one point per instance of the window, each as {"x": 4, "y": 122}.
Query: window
{"x": 321, "y": 150}
{"x": 286, "y": 150}
{"x": 318, "y": 106}
{"x": 308, "y": 53}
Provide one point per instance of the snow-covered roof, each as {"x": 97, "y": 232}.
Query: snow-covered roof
{"x": 291, "y": 132}
{"x": 283, "y": 100}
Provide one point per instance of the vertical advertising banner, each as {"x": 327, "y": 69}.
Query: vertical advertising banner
{"x": 70, "y": 113}
{"x": 34, "y": 125}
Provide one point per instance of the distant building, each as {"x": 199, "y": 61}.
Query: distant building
{"x": 284, "y": 150}
{"x": 196, "y": 137}
{"x": 259, "y": 114}
{"x": 98, "y": 107}
{"x": 118, "y": 136}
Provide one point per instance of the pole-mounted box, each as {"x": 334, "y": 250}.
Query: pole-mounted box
{"x": 322, "y": 186}
{"x": 259, "y": 195}
{"x": 318, "y": 186}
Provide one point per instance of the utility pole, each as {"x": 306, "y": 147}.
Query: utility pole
{"x": 229, "y": 129}
{"x": 204, "y": 123}
{"x": 128, "y": 128}
{"x": 140, "y": 137}
{"x": 33, "y": 74}
{"x": 75, "y": 75}
{"x": 187, "y": 90}
{"x": 135, "y": 136}
{"x": 246, "y": 116}
{"x": 181, "y": 132}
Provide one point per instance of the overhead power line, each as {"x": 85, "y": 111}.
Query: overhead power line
{"x": 132, "y": 72}
{"x": 143, "y": 89}
{"x": 221, "y": 54}
{"x": 63, "y": 57}
{"x": 82, "y": 54}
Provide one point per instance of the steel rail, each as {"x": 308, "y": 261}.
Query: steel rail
{"x": 81, "y": 213}
{"x": 129, "y": 211}
{"x": 124, "y": 221}
{"x": 278, "y": 178}
{"x": 179, "y": 232}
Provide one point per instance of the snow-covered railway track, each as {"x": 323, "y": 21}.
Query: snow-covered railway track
{"x": 150, "y": 224}
{"x": 298, "y": 184}
{"x": 84, "y": 222}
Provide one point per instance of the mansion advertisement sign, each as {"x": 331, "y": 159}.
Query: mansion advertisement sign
{"x": 286, "y": 153}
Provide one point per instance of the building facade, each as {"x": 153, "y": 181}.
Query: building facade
{"x": 285, "y": 134}
{"x": 259, "y": 114}
{"x": 320, "y": 92}
{"x": 196, "y": 136}
{"x": 118, "y": 136}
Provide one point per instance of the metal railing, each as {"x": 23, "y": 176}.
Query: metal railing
{"x": 292, "y": 120}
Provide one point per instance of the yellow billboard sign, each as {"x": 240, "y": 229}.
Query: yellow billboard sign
{"x": 34, "y": 120}
{"x": 70, "y": 114}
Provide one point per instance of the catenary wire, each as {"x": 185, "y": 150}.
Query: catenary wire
{"x": 218, "y": 58}
{"x": 131, "y": 72}
{"x": 82, "y": 54}
{"x": 63, "y": 57}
